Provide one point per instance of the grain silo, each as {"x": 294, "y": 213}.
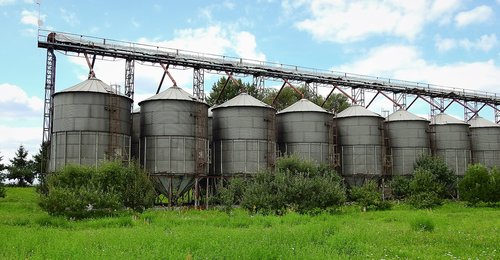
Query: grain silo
{"x": 485, "y": 142}
{"x": 91, "y": 123}
{"x": 306, "y": 129}
{"x": 210, "y": 141}
{"x": 360, "y": 138}
{"x": 136, "y": 134}
{"x": 244, "y": 136}
{"x": 407, "y": 138}
{"x": 451, "y": 141}
{"x": 174, "y": 141}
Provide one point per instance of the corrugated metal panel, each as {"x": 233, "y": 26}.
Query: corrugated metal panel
{"x": 303, "y": 105}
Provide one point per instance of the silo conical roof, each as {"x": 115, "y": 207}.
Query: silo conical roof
{"x": 243, "y": 100}
{"x": 90, "y": 85}
{"x": 172, "y": 93}
{"x": 444, "y": 119}
{"x": 403, "y": 115}
{"x": 479, "y": 122}
{"x": 303, "y": 105}
{"x": 356, "y": 110}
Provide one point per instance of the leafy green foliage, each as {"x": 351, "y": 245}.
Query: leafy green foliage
{"x": 425, "y": 189}
{"x": 231, "y": 90}
{"x": 40, "y": 164}
{"x": 400, "y": 187}
{"x": 295, "y": 185}
{"x": 21, "y": 169}
{"x": 369, "y": 197}
{"x": 479, "y": 185}
{"x": 81, "y": 191}
{"x": 441, "y": 172}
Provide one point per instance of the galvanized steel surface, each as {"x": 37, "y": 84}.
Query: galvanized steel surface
{"x": 408, "y": 139}
{"x": 485, "y": 142}
{"x": 450, "y": 139}
{"x": 244, "y": 136}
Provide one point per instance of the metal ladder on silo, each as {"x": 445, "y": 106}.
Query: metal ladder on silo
{"x": 200, "y": 140}
{"x": 271, "y": 139}
{"x": 114, "y": 126}
{"x": 333, "y": 148}
{"x": 386, "y": 150}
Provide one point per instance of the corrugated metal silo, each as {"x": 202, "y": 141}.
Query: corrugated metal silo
{"x": 174, "y": 141}
{"x": 360, "y": 134}
{"x": 485, "y": 142}
{"x": 244, "y": 136}
{"x": 451, "y": 141}
{"x": 91, "y": 123}
{"x": 305, "y": 129}
{"x": 136, "y": 134}
{"x": 407, "y": 138}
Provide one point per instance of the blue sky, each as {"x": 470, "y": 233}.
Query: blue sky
{"x": 447, "y": 42}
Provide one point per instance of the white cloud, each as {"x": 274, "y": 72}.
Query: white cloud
{"x": 347, "y": 21}
{"x": 477, "y": 15}
{"x": 15, "y": 103}
{"x": 29, "y": 17}
{"x": 135, "y": 23}
{"x": 485, "y": 43}
{"x": 406, "y": 62}
{"x": 7, "y": 2}
{"x": 12, "y": 137}
{"x": 69, "y": 17}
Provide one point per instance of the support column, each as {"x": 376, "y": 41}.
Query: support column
{"x": 258, "y": 83}
{"x": 437, "y": 105}
{"x": 470, "y": 110}
{"x": 129, "y": 78}
{"x": 50, "y": 85}
{"x": 358, "y": 94}
{"x": 399, "y": 101}
{"x": 199, "y": 83}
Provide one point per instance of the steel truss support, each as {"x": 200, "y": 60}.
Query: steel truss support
{"x": 358, "y": 95}
{"x": 50, "y": 85}
{"x": 399, "y": 101}
{"x": 165, "y": 73}
{"x": 497, "y": 114}
{"x": 129, "y": 78}
{"x": 258, "y": 83}
{"x": 199, "y": 83}
{"x": 470, "y": 110}
{"x": 90, "y": 64}
{"x": 437, "y": 105}
{"x": 311, "y": 89}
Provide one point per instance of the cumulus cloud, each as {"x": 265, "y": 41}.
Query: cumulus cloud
{"x": 406, "y": 62}
{"x": 7, "y": 2}
{"x": 349, "y": 21}
{"x": 12, "y": 137}
{"x": 16, "y": 103}
{"x": 485, "y": 43}
{"x": 479, "y": 14}
{"x": 69, "y": 17}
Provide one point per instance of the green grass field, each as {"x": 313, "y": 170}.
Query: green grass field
{"x": 451, "y": 231}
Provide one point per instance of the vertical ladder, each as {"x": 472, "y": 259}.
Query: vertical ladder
{"x": 271, "y": 139}
{"x": 200, "y": 139}
{"x": 48, "y": 110}
{"x": 386, "y": 150}
{"x": 333, "y": 149}
{"x": 114, "y": 125}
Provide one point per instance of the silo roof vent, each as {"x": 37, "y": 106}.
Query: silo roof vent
{"x": 303, "y": 105}
{"x": 90, "y": 85}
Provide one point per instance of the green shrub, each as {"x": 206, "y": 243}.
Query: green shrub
{"x": 425, "y": 189}
{"x": 475, "y": 185}
{"x": 2, "y": 191}
{"x": 400, "y": 187}
{"x": 80, "y": 191}
{"x": 423, "y": 224}
{"x": 369, "y": 197}
{"x": 494, "y": 185}
{"x": 295, "y": 185}
{"x": 441, "y": 172}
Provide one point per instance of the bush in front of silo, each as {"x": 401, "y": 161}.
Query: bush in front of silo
{"x": 425, "y": 189}
{"x": 400, "y": 187}
{"x": 480, "y": 185}
{"x": 368, "y": 196}
{"x": 81, "y": 191}
{"x": 442, "y": 174}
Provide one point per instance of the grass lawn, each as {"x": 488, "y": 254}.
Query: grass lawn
{"x": 451, "y": 231}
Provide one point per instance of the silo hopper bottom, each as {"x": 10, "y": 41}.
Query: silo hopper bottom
{"x": 172, "y": 186}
